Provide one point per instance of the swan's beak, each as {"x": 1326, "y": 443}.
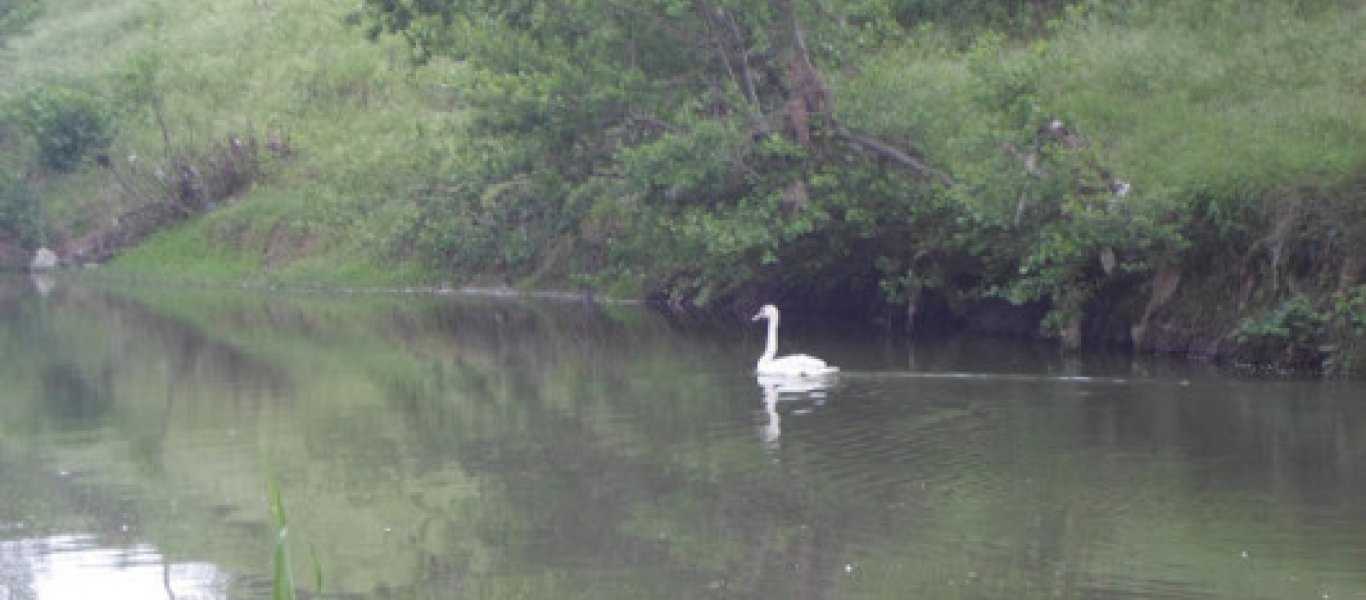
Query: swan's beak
{"x": 757, "y": 317}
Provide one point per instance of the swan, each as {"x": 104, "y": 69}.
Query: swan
{"x": 792, "y": 365}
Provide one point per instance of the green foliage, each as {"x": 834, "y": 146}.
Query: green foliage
{"x": 1186, "y": 103}
{"x": 971, "y": 14}
{"x": 67, "y": 123}
{"x": 1301, "y": 333}
{"x": 715, "y": 151}
{"x": 661, "y": 139}
{"x": 683, "y": 146}
{"x": 17, "y": 14}
{"x": 1290, "y": 329}
{"x": 344, "y": 133}
{"x": 282, "y": 587}
{"x": 20, "y": 214}
{"x": 282, "y": 581}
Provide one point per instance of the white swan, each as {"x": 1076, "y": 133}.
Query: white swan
{"x": 792, "y": 365}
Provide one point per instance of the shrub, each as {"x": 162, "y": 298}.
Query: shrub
{"x": 15, "y": 14}
{"x": 1300, "y": 334}
{"x": 20, "y": 218}
{"x": 66, "y": 123}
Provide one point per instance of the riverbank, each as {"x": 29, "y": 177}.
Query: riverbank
{"x": 1177, "y": 178}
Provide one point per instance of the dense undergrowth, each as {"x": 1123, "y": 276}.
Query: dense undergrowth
{"x": 1184, "y": 175}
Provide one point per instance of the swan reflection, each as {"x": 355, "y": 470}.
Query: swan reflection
{"x": 802, "y": 394}
{"x": 43, "y": 283}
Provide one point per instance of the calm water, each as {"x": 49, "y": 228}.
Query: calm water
{"x": 430, "y": 447}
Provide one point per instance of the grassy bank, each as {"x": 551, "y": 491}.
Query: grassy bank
{"x": 1183, "y": 176}
{"x": 1235, "y": 127}
{"x": 343, "y": 131}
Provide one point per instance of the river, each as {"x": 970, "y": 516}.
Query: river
{"x": 429, "y": 446}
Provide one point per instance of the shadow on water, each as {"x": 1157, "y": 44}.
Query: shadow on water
{"x": 438, "y": 446}
{"x": 70, "y": 398}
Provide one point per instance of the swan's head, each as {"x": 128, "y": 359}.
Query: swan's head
{"x": 769, "y": 311}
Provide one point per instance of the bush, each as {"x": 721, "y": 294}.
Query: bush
{"x": 15, "y": 14}
{"x": 20, "y": 219}
{"x": 66, "y": 124}
{"x": 966, "y": 14}
{"x": 1300, "y": 334}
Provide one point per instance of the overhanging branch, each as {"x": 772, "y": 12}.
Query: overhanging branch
{"x": 892, "y": 153}
{"x": 651, "y": 121}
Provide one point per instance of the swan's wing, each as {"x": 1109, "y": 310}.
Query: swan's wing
{"x": 799, "y": 365}
{"x": 781, "y": 387}
{"x": 807, "y": 361}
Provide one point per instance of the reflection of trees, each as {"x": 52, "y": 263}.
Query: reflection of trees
{"x": 80, "y": 335}
{"x": 193, "y": 354}
{"x": 70, "y": 398}
{"x": 1022, "y": 499}
{"x": 502, "y": 449}
{"x": 589, "y": 432}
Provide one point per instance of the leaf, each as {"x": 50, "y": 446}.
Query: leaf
{"x": 283, "y": 586}
{"x": 317, "y": 568}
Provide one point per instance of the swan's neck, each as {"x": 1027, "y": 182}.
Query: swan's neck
{"x": 771, "y": 346}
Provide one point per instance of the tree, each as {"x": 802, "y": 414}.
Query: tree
{"x": 697, "y": 134}
{"x": 15, "y": 14}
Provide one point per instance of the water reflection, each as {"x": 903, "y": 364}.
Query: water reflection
{"x": 437, "y": 447}
{"x": 78, "y": 567}
{"x": 800, "y": 394}
{"x": 42, "y": 283}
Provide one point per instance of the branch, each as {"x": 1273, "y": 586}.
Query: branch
{"x": 748, "y": 74}
{"x": 821, "y": 92}
{"x": 652, "y": 121}
{"x": 678, "y": 33}
{"x": 720, "y": 26}
{"x": 667, "y": 127}
{"x": 1030, "y": 161}
{"x": 892, "y": 153}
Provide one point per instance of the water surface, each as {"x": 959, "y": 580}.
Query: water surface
{"x": 433, "y": 447}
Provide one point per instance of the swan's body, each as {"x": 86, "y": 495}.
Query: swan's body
{"x": 792, "y": 365}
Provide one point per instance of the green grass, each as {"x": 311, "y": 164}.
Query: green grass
{"x": 183, "y": 254}
{"x": 1272, "y": 99}
{"x": 362, "y": 127}
{"x": 1267, "y": 98}
{"x": 270, "y": 237}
